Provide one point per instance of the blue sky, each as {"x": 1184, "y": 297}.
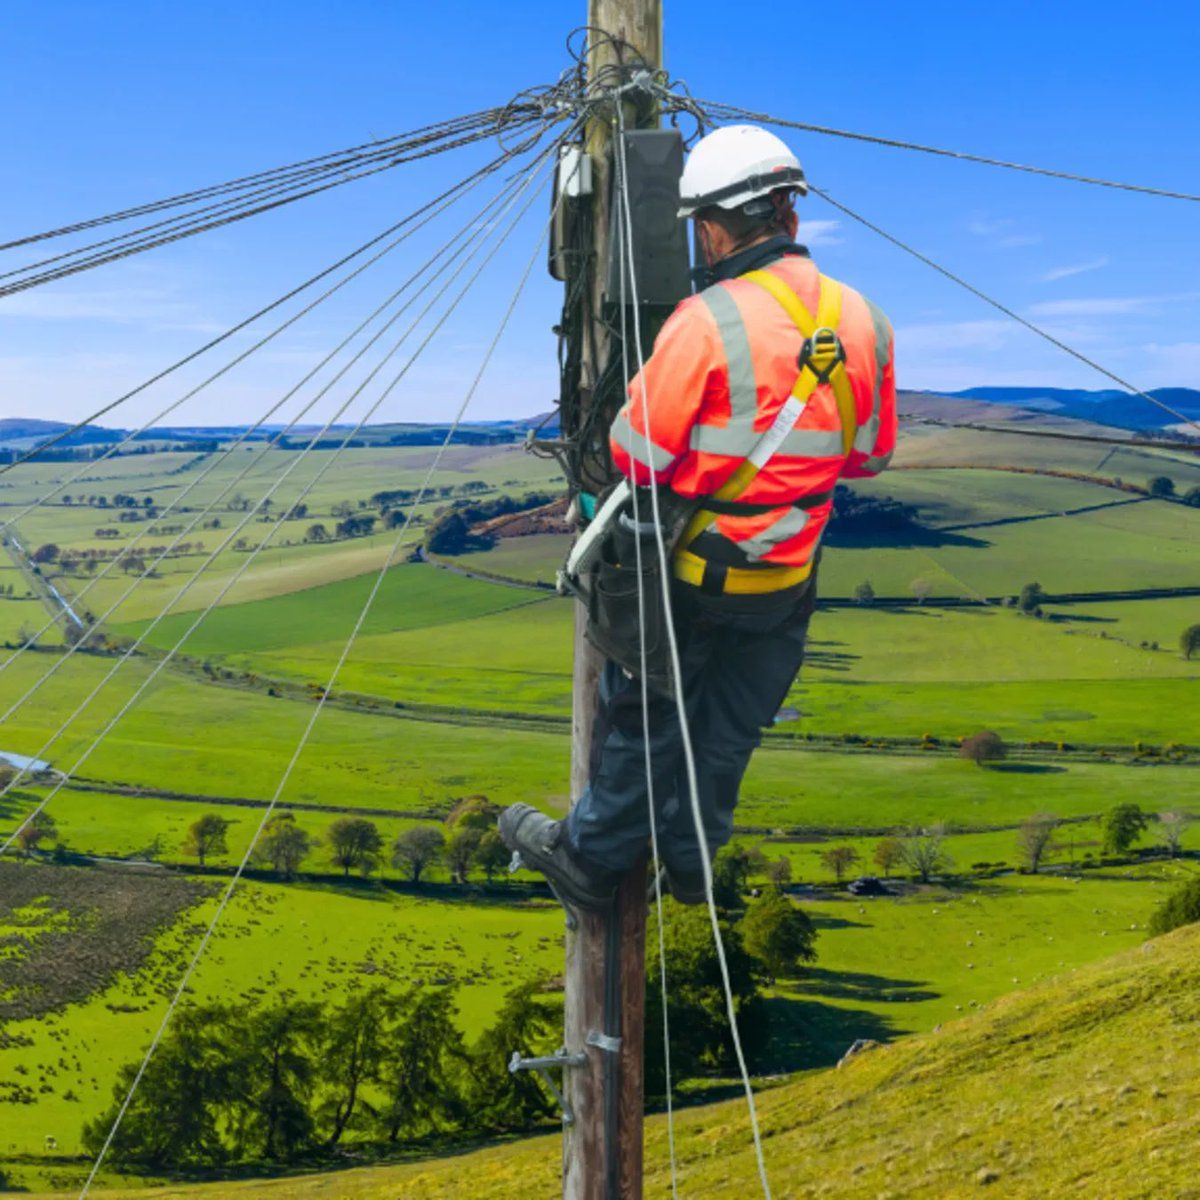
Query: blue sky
{"x": 116, "y": 103}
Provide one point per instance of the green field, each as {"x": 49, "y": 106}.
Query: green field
{"x": 1067, "y": 535}
{"x": 313, "y": 941}
{"x": 458, "y": 686}
{"x": 1075, "y": 1086}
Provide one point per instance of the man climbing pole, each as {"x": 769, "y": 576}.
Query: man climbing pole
{"x": 763, "y": 390}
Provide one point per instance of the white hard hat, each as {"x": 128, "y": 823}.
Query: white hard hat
{"x": 736, "y": 164}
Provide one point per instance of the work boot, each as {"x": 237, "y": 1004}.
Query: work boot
{"x": 686, "y": 886}
{"x": 542, "y": 845}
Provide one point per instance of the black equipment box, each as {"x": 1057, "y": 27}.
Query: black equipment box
{"x": 654, "y": 164}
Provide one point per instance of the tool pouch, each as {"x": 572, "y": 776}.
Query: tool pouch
{"x": 620, "y": 625}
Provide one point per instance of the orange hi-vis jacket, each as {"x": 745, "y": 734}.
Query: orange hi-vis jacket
{"x": 723, "y": 367}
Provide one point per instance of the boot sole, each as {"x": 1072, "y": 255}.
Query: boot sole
{"x": 536, "y": 859}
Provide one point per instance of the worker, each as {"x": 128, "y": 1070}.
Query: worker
{"x": 763, "y": 390}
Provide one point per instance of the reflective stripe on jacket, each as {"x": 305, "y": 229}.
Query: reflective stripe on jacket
{"x": 722, "y": 368}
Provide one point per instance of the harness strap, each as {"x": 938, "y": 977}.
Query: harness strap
{"x": 822, "y": 360}
{"x": 829, "y": 315}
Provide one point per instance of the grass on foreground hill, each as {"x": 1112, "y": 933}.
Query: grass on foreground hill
{"x": 1084, "y": 1086}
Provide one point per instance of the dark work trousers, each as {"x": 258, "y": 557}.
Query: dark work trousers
{"x": 738, "y": 658}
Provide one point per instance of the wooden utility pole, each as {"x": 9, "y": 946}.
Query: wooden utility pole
{"x": 602, "y": 1148}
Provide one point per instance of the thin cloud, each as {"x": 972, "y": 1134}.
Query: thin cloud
{"x": 1001, "y": 232}
{"x": 1104, "y": 306}
{"x": 820, "y": 233}
{"x": 1074, "y": 269}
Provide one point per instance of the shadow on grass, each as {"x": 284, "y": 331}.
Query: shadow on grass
{"x": 862, "y": 985}
{"x": 906, "y": 539}
{"x": 807, "y": 1034}
{"x": 1020, "y": 768}
{"x": 821, "y": 921}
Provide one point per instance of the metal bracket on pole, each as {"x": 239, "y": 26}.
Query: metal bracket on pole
{"x": 604, "y": 1041}
{"x": 542, "y": 1067}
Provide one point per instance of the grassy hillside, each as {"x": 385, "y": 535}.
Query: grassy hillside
{"x": 1085, "y": 1085}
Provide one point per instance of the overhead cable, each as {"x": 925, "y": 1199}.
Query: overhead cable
{"x": 689, "y": 757}
{"x": 1008, "y": 312}
{"x": 176, "y": 228}
{"x": 1191, "y": 447}
{"x": 185, "y": 980}
{"x": 149, "y": 569}
{"x": 227, "y": 334}
{"x": 649, "y": 767}
{"x": 333, "y": 458}
{"x": 730, "y": 111}
{"x": 333, "y": 160}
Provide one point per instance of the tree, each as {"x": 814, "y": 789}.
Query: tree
{"x": 47, "y": 553}
{"x": 921, "y": 590}
{"x": 350, "y": 1055}
{"x": 284, "y": 845}
{"x": 422, "y": 1066}
{"x": 1192, "y": 497}
{"x": 924, "y": 852}
{"x": 40, "y": 829}
{"x": 779, "y": 934}
{"x": 696, "y": 1007}
{"x": 889, "y": 854}
{"x": 492, "y": 854}
{"x": 514, "y": 1099}
{"x": 731, "y": 870}
{"x": 1031, "y": 598}
{"x": 1036, "y": 841}
{"x": 983, "y": 747}
{"x": 779, "y": 872}
{"x": 1171, "y": 827}
{"x": 416, "y": 849}
{"x": 839, "y": 859}
{"x": 190, "y": 1079}
{"x": 864, "y": 593}
{"x": 474, "y": 812}
{"x": 316, "y": 533}
{"x": 279, "y": 1058}
{"x": 1121, "y": 826}
{"x": 356, "y": 844}
{"x": 206, "y": 836}
{"x": 1181, "y": 907}
{"x": 461, "y": 848}
{"x": 450, "y": 534}
{"x": 1189, "y": 641}
{"x": 1162, "y": 485}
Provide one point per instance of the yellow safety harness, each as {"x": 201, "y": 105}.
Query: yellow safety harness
{"x": 822, "y": 360}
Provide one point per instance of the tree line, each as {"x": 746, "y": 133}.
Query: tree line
{"x": 293, "y": 1080}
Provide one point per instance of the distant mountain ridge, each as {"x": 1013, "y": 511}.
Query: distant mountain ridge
{"x": 24, "y": 433}
{"x": 1105, "y": 407}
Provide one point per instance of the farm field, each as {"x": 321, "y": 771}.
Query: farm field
{"x": 987, "y": 533}
{"x": 1088, "y": 1060}
{"x": 459, "y": 686}
{"x": 878, "y": 672}
{"x": 373, "y": 760}
{"x": 992, "y": 938}
{"x": 313, "y": 941}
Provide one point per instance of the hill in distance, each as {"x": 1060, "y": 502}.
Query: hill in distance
{"x": 24, "y": 433}
{"x": 1105, "y": 407}
{"x": 1086, "y": 1085}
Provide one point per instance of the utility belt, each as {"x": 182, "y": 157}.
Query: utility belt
{"x": 616, "y": 567}
{"x": 713, "y": 564}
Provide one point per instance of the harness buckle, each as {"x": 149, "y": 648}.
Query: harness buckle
{"x": 822, "y": 354}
